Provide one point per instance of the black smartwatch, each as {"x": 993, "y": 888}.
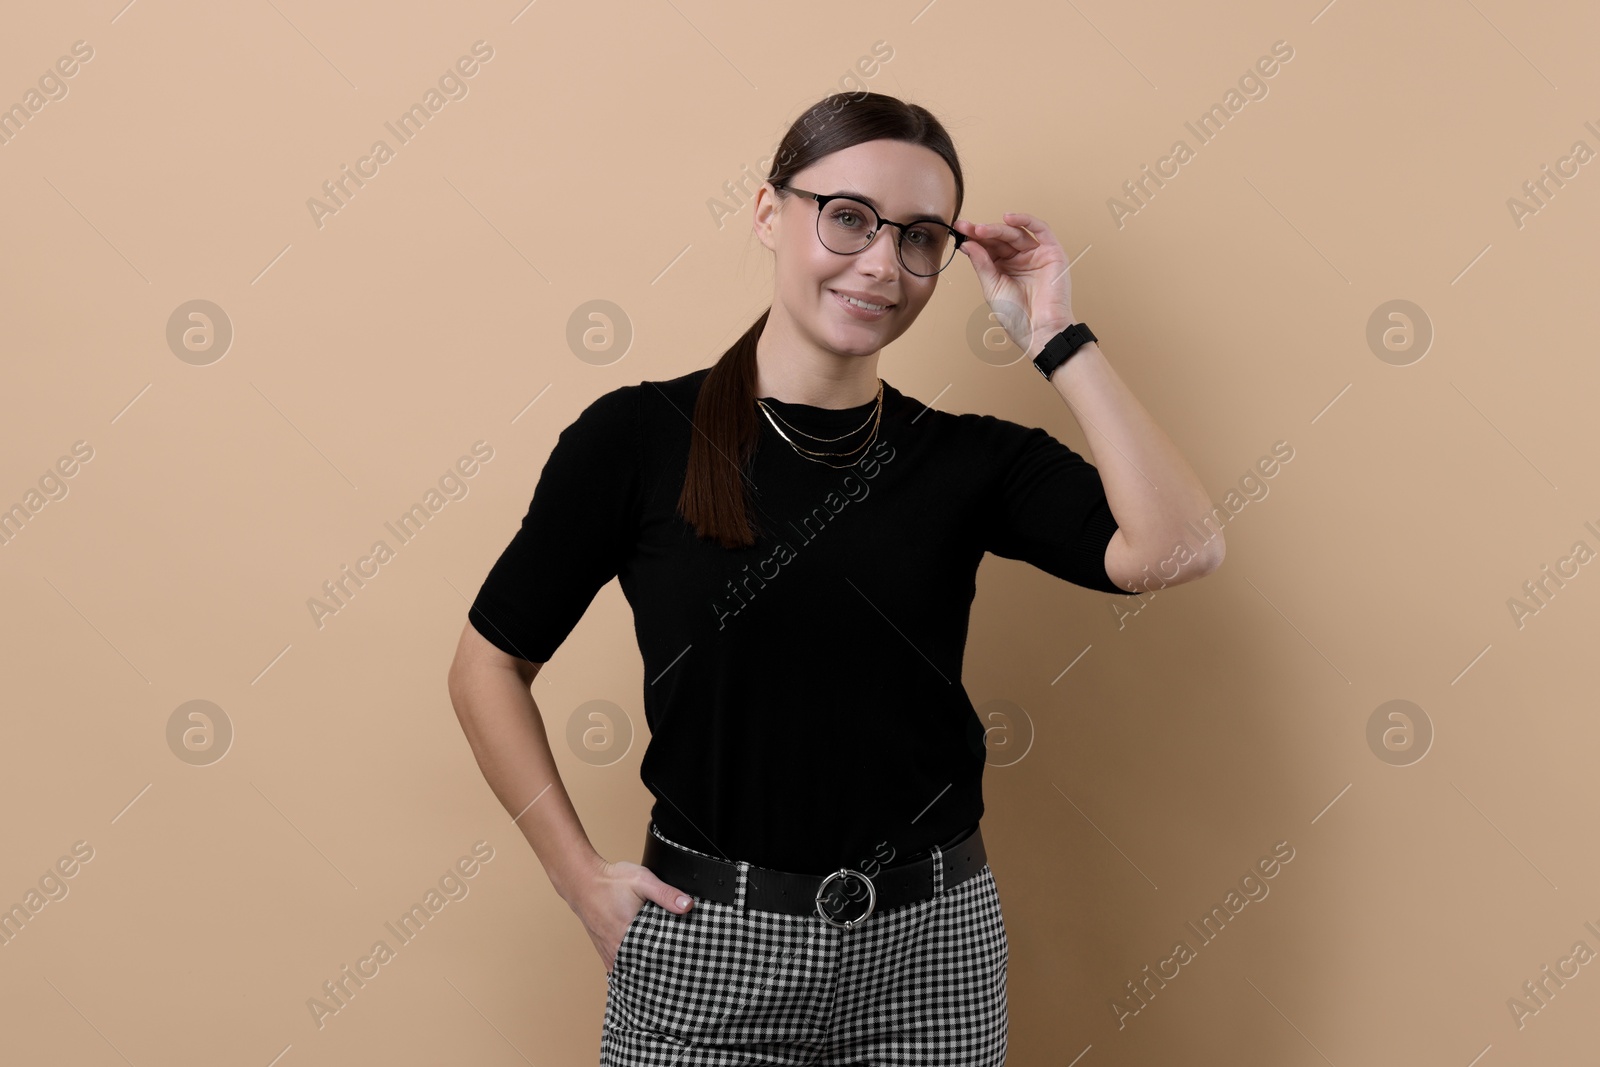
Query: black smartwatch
{"x": 1061, "y": 346}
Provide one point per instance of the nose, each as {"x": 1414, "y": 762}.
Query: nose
{"x": 881, "y": 254}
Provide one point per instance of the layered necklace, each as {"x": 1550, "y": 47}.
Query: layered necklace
{"x": 875, "y": 418}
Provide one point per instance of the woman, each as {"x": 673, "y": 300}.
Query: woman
{"x": 798, "y": 541}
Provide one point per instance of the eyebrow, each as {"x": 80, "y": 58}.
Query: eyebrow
{"x": 865, "y": 199}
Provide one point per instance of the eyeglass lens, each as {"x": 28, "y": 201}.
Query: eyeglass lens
{"x": 846, "y": 226}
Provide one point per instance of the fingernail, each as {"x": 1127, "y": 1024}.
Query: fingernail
{"x": 683, "y": 902}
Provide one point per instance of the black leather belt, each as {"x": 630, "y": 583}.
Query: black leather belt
{"x": 825, "y": 895}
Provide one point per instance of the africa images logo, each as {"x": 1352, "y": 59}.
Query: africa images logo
{"x": 744, "y": 587}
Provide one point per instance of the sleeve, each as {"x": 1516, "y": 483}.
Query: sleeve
{"x": 580, "y": 529}
{"x": 1048, "y": 508}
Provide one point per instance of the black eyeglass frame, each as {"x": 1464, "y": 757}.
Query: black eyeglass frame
{"x": 899, "y": 251}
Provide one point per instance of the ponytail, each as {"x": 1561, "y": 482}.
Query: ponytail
{"x": 725, "y": 434}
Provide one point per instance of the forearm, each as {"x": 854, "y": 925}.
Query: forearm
{"x": 1152, "y": 490}
{"x": 506, "y": 731}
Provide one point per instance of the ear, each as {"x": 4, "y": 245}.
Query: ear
{"x": 765, "y": 216}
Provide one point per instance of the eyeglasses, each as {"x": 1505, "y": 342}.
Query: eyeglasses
{"x": 846, "y": 226}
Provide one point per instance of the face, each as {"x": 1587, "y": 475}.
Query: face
{"x": 904, "y": 181}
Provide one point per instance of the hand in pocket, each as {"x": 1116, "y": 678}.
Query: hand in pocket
{"x": 616, "y": 897}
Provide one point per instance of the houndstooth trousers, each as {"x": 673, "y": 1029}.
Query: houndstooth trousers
{"x": 919, "y": 985}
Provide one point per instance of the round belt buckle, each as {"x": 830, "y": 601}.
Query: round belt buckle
{"x": 872, "y": 898}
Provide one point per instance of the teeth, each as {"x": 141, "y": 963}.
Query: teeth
{"x": 864, "y": 304}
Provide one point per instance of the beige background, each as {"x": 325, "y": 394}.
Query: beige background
{"x": 432, "y": 311}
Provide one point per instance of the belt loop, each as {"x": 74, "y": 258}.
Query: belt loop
{"x": 938, "y": 871}
{"x": 742, "y": 881}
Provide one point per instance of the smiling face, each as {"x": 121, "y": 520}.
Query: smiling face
{"x": 903, "y": 182}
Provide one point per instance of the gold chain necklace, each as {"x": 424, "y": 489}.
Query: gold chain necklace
{"x": 842, "y": 436}
{"x": 876, "y": 418}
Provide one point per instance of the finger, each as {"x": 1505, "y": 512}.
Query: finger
{"x": 1032, "y": 222}
{"x": 985, "y": 234}
{"x": 989, "y": 239}
{"x": 1007, "y": 239}
{"x": 979, "y": 257}
{"x": 1038, "y": 226}
{"x": 675, "y": 899}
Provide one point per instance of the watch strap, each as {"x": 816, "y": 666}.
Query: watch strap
{"x": 1061, "y": 347}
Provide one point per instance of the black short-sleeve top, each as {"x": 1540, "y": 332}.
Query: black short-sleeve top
{"x": 803, "y": 695}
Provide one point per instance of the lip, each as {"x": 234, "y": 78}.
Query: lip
{"x": 859, "y": 312}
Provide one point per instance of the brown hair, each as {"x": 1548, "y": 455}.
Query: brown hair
{"x": 725, "y": 434}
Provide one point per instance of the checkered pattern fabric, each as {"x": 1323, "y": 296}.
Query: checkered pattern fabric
{"x": 915, "y": 986}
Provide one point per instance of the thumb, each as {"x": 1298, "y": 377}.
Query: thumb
{"x": 672, "y": 899}
{"x": 982, "y": 262}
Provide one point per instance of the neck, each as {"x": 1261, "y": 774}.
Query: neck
{"x": 796, "y": 371}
